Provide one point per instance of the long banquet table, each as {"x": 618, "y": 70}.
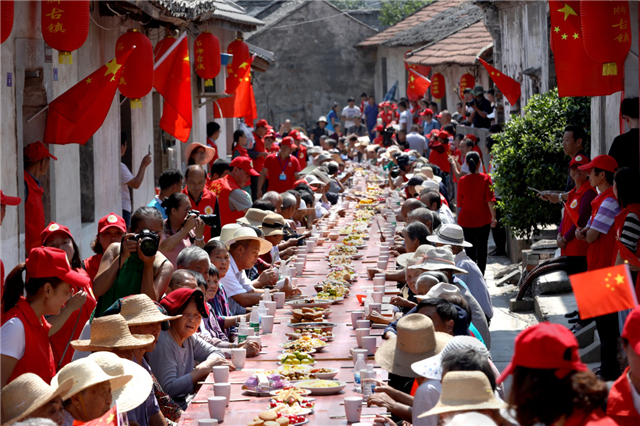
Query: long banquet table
{"x": 337, "y": 355}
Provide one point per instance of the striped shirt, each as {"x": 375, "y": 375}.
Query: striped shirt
{"x": 605, "y": 216}
{"x": 630, "y": 232}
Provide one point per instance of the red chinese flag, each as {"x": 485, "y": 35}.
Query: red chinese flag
{"x": 572, "y": 214}
{"x": 577, "y": 73}
{"x": 508, "y": 86}
{"x": 79, "y": 112}
{"x": 603, "y": 291}
{"x": 420, "y": 69}
{"x": 242, "y": 104}
{"x": 417, "y": 86}
{"x": 627, "y": 254}
{"x": 110, "y": 418}
{"x": 172, "y": 79}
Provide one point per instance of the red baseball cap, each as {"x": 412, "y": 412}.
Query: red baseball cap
{"x": 631, "y": 327}
{"x": 111, "y": 220}
{"x": 472, "y": 137}
{"x": 44, "y": 262}
{"x": 6, "y": 200}
{"x": 300, "y": 181}
{"x": 36, "y": 151}
{"x": 603, "y": 162}
{"x": 286, "y": 141}
{"x": 53, "y": 228}
{"x": 427, "y": 111}
{"x": 270, "y": 134}
{"x": 176, "y": 302}
{"x": 295, "y": 135}
{"x": 262, "y": 123}
{"x": 546, "y": 346}
{"x": 579, "y": 160}
{"x": 244, "y": 163}
{"x": 443, "y": 135}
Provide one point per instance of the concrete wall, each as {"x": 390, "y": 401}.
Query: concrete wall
{"x": 396, "y": 71}
{"x": 316, "y": 64}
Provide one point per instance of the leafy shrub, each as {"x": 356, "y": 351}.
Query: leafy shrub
{"x": 529, "y": 153}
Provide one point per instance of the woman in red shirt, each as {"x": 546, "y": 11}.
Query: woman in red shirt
{"x": 239, "y": 145}
{"x": 476, "y": 210}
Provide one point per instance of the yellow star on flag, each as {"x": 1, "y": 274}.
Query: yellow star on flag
{"x": 564, "y": 36}
{"x": 89, "y": 80}
{"x": 110, "y": 418}
{"x": 186, "y": 58}
{"x": 619, "y": 279}
{"x": 567, "y": 10}
{"x": 556, "y": 30}
{"x": 243, "y": 65}
{"x": 112, "y": 67}
{"x": 492, "y": 73}
{"x": 575, "y": 36}
{"x": 498, "y": 75}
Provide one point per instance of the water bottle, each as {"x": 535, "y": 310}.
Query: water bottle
{"x": 368, "y": 382}
{"x": 367, "y": 301}
{"x": 254, "y": 320}
{"x": 242, "y": 330}
{"x": 360, "y": 365}
{"x": 266, "y": 297}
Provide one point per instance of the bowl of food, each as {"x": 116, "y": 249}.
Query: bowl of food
{"x": 324, "y": 373}
{"x": 333, "y": 236}
{"x": 322, "y": 387}
{"x": 315, "y": 327}
{"x": 296, "y": 359}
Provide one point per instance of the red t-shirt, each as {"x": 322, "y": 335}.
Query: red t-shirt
{"x": 474, "y": 192}
{"x": 276, "y": 167}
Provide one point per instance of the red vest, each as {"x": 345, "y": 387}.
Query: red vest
{"x": 620, "y": 403}
{"x": 70, "y": 331}
{"x": 599, "y": 253}
{"x": 575, "y": 247}
{"x": 619, "y": 223}
{"x": 206, "y": 205}
{"x": 302, "y": 156}
{"x": 37, "y": 358}
{"x": 441, "y": 159}
{"x": 215, "y": 156}
{"x": 92, "y": 264}
{"x": 596, "y": 417}
{"x": 222, "y": 189}
{"x": 34, "y": 213}
{"x": 258, "y": 147}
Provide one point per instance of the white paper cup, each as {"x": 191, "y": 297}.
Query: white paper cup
{"x": 378, "y": 288}
{"x": 363, "y": 324}
{"x": 375, "y": 307}
{"x": 251, "y": 331}
{"x": 217, "y": 407}
{"x": 271, "y": 307}
{"x": 377, "y": 296}
{"x": 281, "y": 284}
{"x": 279, "y": 298}
{"x": 355, "y": 317}
{"x": 379, "y": 275}
{"x": 311, "y": 245}
{"x": 299, "y": 268}
{"x": 382, "y": 264}
{"x": 238, "y": 358}
{"x": 353, "y": 408}
{"x": 256, "y": 339}
{"x": 221, "y": 373}
{"x": 302, "y": 250}
{"x": 360, "y": 333}
{"x": 355, "y": 353}
{"x": 369, "y": 343}
{"x": 267, "y": 324}
{"x": 294, "y": 282}
{"x": 222, "y": 389}
{"x": 384, "y": 257}
{"x": 378, "y": 281}
{"x": 207, "y": 422}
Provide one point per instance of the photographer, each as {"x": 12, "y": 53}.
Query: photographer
{"x": 481, "y": 108}
{"x": 126, "y": 270}
{"x": 182, "y": 228}
{"x": 397, "y": 175}
{"x": 202, "y": 200}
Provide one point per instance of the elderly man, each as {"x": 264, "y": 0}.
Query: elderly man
{"x": 182, "y": 278}
{"x": 234, "y": 201}
{"x": 194, "y": 259}
{"x": 358, "y": 128}
{"x": 202, "y": 199}
{"x": 281, "y": 169}
{"x": 274, "y": 198}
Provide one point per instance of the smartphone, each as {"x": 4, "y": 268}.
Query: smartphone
{"x": 149, "y": 149}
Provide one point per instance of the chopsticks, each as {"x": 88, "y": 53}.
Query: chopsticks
{"x": 231, "y": 400}
{"x": 366, "y": 416}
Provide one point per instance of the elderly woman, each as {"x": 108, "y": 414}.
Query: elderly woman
{"x": 173, "y": 361}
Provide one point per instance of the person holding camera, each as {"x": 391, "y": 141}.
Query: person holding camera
{"x": 182, "y": 228}
{"x": 134, "y": 266}
{"x": 481, "y": 108}
{"x": 202, "y": 200}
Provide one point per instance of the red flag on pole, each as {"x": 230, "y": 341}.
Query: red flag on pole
{"x": 627, "y": 254}
{"x": 507, "y": 85}
{"x": 417, "y": 85}
{"x": 242, "y": 104}
{"x": 79, "y": 112}
{"x": 172, "y": 79}
{"x": 574, "y": 215}
{"x": 603, "y": 291}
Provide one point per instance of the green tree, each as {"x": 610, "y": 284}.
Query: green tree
{"x": 394, "y": 11}
{"x": 349, "y": 4}
{"x": 529, "y": 153}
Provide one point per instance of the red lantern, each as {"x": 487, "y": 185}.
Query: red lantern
{"x": 437, "y": 86}
{"x": 467, "y": 81}
{"x": 207, "y": 50}
{"x": 162, "y": 46}
{"x": 241, "y": 58}
{"x": 606, "y": 32}
{"x": 65, "y": 26}
{"x": 136, "y": 79}
{"x": 6, "y": 22}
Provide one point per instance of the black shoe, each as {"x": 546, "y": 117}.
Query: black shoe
{"x": 571, "y": 314}
{"x": 574, "y": 320}
{"x": 498, "y": 253}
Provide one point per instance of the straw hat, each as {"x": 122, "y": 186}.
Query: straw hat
{"x": 416, "y": 341}
{"x": 26, "y": 394}
{"x": 440, "y": 289}
{"x": 438, "y": 259}
{"x": 431, "y": 185}
{"x": 273, "y": 224}
{"x": 139, "y": 309}
{"x": 403, "y": 259}
{"x": 86, "y": 373}
{"x": 428, "y": 172}
{"x": 209, "y": 152}
{"x": 451, "y": 234}
{"x": 324, "y": 156}
{"x": 431, "y": 368}
{"x": 322, "y": 176}
{"x": 465, "y": 391}
{"x": 133, "y": 393}
{"x": 227, "y": 231}
{"x": 111, "y": 332}
{"x": 244, "y": 234}
{"x": 313, "y": 180}
{"x": 253, "y": 217}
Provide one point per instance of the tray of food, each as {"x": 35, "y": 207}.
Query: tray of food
{"x": 304, "y": 344}
{"x": 322, "y": 387}
{"x": 324, "y": 327}
{"x": 307, "y": 303}
{"x": 296, "y": 359}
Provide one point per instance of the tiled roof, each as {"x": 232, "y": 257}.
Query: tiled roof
{"x": 425, "y": 14}
{"x": 460, "y": 48}
{"x": 216, "y": 11}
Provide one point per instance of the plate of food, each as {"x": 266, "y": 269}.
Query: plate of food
{"x": 296, "y": 359}
{"x": 316, "y": 314}
{"x": 295, "y": 372}
{"x": 271, "y": 416}
{"x": 342, "y": 250}
{"x": 290, "y": 394}
{"x": 322, "y": 387}
{"x": 307, "y": 303}
{"x": 340, "y": 260}
{"x": 316, "y": 333}
{"x": 325, "y": 327}
{"x": 327, "y": 297}
{"x": 324, "y": 373}
{"x": 260, "y": 384}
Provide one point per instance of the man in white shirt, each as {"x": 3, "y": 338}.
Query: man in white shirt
{"x": 350, "y": 111}
{"x": 406, "y": 118}
{"x": 416, "y": 140}
{"x": 127, "y": 180}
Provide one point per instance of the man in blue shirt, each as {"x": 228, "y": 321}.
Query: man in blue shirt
{"x": 170, "y": 182}
{"x": 428, "y": 123}
{"x": 371, "y": 116}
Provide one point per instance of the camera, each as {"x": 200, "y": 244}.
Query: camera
{"x": 471, "y": 103}
{"x": 395, "y": 172}
{"x": 149, "y": 242}
{"x": 208, "y": 219}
